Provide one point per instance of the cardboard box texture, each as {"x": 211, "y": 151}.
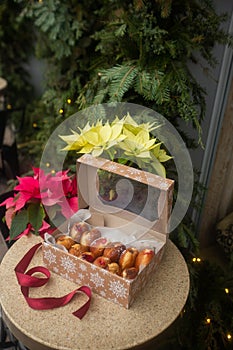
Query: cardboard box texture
{"x": 121, "y": 219}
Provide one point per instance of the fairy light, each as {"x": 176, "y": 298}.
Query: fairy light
{"x": 69, "y": 101}
{"x": 196, "y": 259}
{"x": 229, "y": 336}
{"x": 9, "y": 106}
{"x": 226, "y": 290}
{"x": 208, "y": 320}
{"x": 53, "y": 171}
{"x": 61, "y": 110}
{"x": 48, "y": 165}
{"x": 34, "y": 125}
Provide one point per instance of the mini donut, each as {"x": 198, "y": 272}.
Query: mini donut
{"x": 114, "y": 250}
{"x": 77, "y": 249}
{"x": 102, "y": 261}
{"x": 128, "y": 257}
{"x": 77, "y": 229}
{"x": 130, "y": 273}
{"x": 98, "y": 245}
{"x": 89, "y": 236}
{"x": 66, "y": 241}
{"x": 114, "y": 268}
{"x": 88, "y": 256}
{"x": 143, "y": 258}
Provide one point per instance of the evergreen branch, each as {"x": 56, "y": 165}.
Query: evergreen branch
{"x": 120, "y": 78}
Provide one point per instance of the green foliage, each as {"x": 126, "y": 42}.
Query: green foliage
{"x": 16, "y": 45}
{"x": 19, "y": 224}
{"x": 123, "y": 51}
{"x": 33, "y": 214}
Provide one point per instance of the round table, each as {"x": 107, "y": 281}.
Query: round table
{"x": 106, "y": 325}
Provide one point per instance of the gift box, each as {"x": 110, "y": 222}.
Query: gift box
{"x": 124, "y": 205}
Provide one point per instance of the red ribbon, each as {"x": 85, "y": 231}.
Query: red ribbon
{"x": 26, "y": 280}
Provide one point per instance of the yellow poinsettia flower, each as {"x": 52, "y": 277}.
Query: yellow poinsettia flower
{"x": 132, "y": 126}
{"x": 74, "y": 141}
{"x": 138, "y": 145}
{"x": 160, "y": 154}
{"x": 103, "y": 137}
{"x": 95, "y": 138}
{"x": 125, "y": 135}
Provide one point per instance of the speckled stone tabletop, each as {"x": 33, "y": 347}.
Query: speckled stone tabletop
{"x": 106, "y": 325}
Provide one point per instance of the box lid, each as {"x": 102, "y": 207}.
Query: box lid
{"x": 140, "y": 198}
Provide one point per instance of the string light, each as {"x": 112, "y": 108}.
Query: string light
{"x": 226, "y": 290}
{"x": 53, "y": 171}
{"x": 69, "y": 101}
{"x": 208, "y": 320}
{"x": 9, "y": 106}
{"x": 196, "y": 259}
{"x": 48, "y": 165}
{"x": 34, "y": 125}
{"x": 61, "y": 110}
{"x": 229, "y": 336}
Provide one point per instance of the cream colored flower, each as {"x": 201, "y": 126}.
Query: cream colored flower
{"x": 121, "y": 138}
{"x": 96, "y": 138}
{"x": 137, "y": 145}
{"x": 160, "y": 154}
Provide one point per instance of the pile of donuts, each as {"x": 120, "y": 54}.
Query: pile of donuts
{"x": 88, "y": 244}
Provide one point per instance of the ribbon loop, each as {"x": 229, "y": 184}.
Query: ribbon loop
{"x": 26, "y": 280}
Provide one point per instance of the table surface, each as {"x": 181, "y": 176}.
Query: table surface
{"x": 106, "y": 325}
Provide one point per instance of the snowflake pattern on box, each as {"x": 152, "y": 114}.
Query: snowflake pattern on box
{"x": 163, "y": 185}
{"x": 68, "y": 264}
{"x": 49, "y": 256}
{"x": 117, "y": 289}
{"x": 56, "y": 269}
{"x": 83, "y": 267}
{"x": 97, "y": 280}
{"x": 81, "y": 275}
{"x": 112, "y": 167}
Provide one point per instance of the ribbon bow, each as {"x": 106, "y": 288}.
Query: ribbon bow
{"x": 26, "y": 280}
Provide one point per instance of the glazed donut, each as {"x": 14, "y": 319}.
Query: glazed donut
{"x": 144, "y": 257}
{"x": 130, "y": 273}
{"x": 77, "y": 249}
{"x": 128, "y": 257}
{"x": 66, "y": 241}
{"x": 98, "y": 245}
{"x": 77, "y": 229}
{"x": 114, "y": 268}
{"x": 89, "y": 236}
{"x": 114, "y": 250}
{"x": 102, "y": 261}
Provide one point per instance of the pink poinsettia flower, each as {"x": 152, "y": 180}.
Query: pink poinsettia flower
{"x": 69, "y": 207}
{"x": 51, "y": 188}
{"x": 29, "y": 189}
{"x": 43, "y": 192}
{"x": 50, "y": 198}
{"x": 9, "y": 202}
